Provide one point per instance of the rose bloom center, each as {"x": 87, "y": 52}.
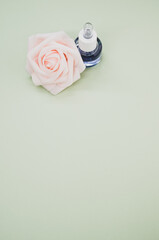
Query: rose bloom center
{"x": 51, "y": 60}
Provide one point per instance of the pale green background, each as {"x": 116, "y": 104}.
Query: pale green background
{"x": 82, "y": 165}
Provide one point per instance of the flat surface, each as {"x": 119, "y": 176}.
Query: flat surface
{"x": 82, "y": 165}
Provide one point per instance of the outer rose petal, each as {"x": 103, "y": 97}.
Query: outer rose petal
{"x": 71, "y": 70}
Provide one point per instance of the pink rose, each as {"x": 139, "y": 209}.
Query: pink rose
{"x": 53, "y": 61}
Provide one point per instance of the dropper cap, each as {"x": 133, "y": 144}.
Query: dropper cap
{"x": 88, "y": 30}
{"x": 87, "y": 38}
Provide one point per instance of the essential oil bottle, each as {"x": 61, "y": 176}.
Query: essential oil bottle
{"x": 89, "y": 45}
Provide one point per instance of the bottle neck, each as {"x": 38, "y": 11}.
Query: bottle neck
{"x": 87, "y": 44}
